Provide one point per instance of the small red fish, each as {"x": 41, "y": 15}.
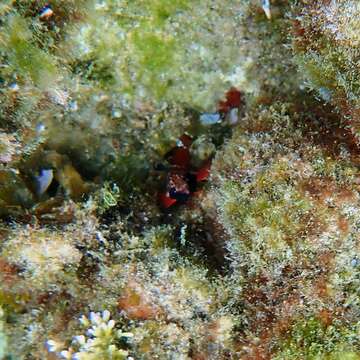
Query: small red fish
{"x": 233, "y": 100}
{"x": 180, "y": 157}
{"x": 178, "y": 186}
{"x": 203, "y": 173}
{"x": 181, "y": 182}
{"x": 186, "y": 140}
{"x": 166, "y": 201}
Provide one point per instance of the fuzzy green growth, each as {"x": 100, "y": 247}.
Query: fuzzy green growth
{"x": 309, "y": 339}
{"x": 325, "y": 44}
{"x": 163, "y": 52}
{"x": 155, "y": 55}
{"x": 109, "y": 196}
{"x": 265, "y": 216}
{"x": 25, "y": 58}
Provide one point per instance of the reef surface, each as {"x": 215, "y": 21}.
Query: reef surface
{"x": 180, "y": 179}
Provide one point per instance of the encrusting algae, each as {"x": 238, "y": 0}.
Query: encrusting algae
{"x": 189, "y": 167}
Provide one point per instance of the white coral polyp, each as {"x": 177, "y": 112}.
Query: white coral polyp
{"x": 98, "y": 344}
{"x": 106, "y": 315}
{"x": 95, "y": 318}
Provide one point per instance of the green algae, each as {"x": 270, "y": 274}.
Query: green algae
{"x": 25, "y": 58}
{"x": 310, "y": 339}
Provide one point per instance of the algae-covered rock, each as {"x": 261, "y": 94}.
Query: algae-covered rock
{"x": 189, "y": 53}
{"x": 326, "y": 48}
{"x": 41, "y": 254}
{"x": 191, "y": 167}
{"x": 290, "y": 209}
{"x": 14, "y": 195}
